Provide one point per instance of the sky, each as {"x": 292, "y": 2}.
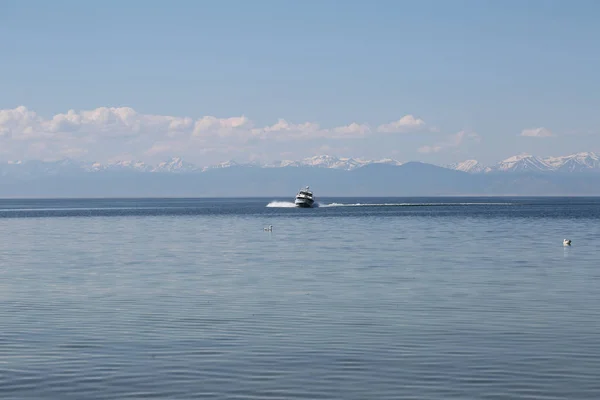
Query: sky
{"x": 210, "y": 81}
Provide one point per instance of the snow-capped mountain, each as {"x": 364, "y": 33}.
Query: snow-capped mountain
{"x": 118, "y": 166}
{"x": 226, "y": 164}
{"x": 326, "y": 161}
{"x": 522, "y": 163}
{"x": 579, "y": 162}
{"x": 175, "y": 164}
{"x": 33, "y": 168}
{"x": 231, "y": 163}
{"x": 472, "y": 166}
{"x": 575, "y": 162}
{"x": 388, "y": 161}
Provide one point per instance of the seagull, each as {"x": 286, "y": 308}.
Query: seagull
{"x": 269, "y": 228}
{"x": 566, "y": 242}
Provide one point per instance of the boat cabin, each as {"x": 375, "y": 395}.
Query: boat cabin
{"x": 305, "y": 192}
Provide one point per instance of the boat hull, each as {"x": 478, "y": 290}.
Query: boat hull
{"x": 304, "y": 203}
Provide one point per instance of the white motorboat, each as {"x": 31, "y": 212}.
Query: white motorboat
{"x": 304, "y": 198}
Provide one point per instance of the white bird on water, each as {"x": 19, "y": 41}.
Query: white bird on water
{"x": 269, "y": 228}
{"x": 566, "y": 242}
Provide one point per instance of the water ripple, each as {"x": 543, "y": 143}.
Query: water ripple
{"x": 355, "y": 306}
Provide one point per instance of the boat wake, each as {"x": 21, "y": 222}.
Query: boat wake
{"x": 281, "y": 204}
{"x": 288, "y": 204}
{"x": 408, "y": 204}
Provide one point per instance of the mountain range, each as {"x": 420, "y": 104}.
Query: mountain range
{"x": 525, "y": 174}
{"x": 579, "y": 162}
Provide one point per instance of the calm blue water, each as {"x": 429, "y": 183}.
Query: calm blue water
{"x": 409, "y": 298}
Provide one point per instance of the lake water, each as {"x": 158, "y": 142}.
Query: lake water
{"x": 357, "y": 299}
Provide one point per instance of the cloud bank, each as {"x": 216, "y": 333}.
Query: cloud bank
{"x": 109, "y": 133}
{"x": 404, "y": 124}
{"x": 452, "y": 141}
{"x": 537, "y": 132}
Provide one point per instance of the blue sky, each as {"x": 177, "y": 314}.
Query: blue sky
{"x": 472, "y": 75}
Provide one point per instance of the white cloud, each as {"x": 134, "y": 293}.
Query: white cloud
{"x": 458, "y": 138}
{"x": 105, "y": 132}
{"x": 405, "y": 124}
{"x": 452, "y": 141}
{"x": 429, "y": 149}
{"x": 159, "y": 149}
{"x": 537, "y": 132}
{"x": 352, "y": 130}
{"x": 283, "y": 130}
{"x": 221, "y": 126}
{"x": 19, "y": 123}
